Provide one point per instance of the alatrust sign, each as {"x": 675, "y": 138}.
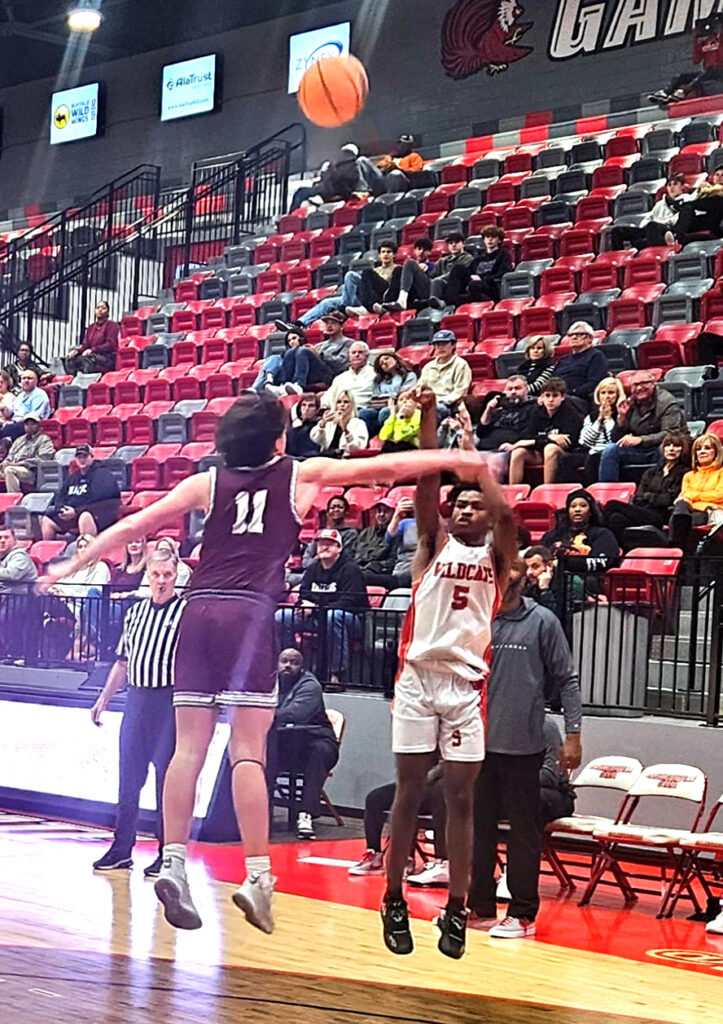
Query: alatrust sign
{"x": 188, "y": 88}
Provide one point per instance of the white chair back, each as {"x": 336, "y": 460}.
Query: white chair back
{"x": 338, "y": 722}
{"x": 679, "y": 780}
{"x": 611, "y": 772}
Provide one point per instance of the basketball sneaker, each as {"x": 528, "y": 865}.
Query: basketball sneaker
{"x": 715, "y": 927}
{"x": 513, "y": 928}
{"x": 153, "y": 870}
{"x": 452, "y": 925}
{"x": 305, "y": 826}
{"x": 112, "y": 861}
{"x": 172, "y": 890}
{"x": 433, "y": 875}
{"x": 397, "y": 934}
{"x": 372, "y": 863}
{"x": 254, "y": 897}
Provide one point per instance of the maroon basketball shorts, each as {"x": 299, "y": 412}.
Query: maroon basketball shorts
{"x": 227, "y": 652}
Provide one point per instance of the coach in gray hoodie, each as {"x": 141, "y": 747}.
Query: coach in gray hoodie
{"x": 529, "y": 653}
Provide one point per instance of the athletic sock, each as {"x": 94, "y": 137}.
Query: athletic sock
{"x": 257, "y": 866}
{"x": 455, "y": 904}
{"x": 403, "y": 297}
{"x": 393, "y": 894}
{"x": 177, "y": 851}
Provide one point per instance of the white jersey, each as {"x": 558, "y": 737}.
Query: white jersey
{"x": 453, "y": 604}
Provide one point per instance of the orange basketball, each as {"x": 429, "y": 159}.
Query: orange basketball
{"x": 333, "y": 90}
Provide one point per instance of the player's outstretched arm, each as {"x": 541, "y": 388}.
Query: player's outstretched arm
{"x": 189, "y": 494}
{"x": 430, "y": 530}
{"x": 504, "y": 530}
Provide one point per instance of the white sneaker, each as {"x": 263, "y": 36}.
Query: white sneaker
{"x": 715, "y": 927}
{"x": 503, "y": 893}
{"x": 356, "y": 311}
{"x": 435, "y": 875}
{"x": 275, "y": 389}
{"x": 293, "y": 389}
{"x": 254, "y": 898}
{"x": 513, "y": 928}
{"x": 305, "y": 826}
{"x": 173, "y": 892}
{"x": 372, "y": 863}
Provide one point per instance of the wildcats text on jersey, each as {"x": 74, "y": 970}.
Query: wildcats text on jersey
{"x": 463, "y": 571}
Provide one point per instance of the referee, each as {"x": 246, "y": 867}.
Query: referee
{"x": 148, "y": 733}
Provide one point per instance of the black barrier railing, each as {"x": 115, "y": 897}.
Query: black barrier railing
{"x": 643, "y": 643}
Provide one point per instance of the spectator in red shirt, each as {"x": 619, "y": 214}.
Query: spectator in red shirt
{"x": 708, "y": 55}
{"x": 97, "y": 351}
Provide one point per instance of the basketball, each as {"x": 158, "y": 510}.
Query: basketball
{"x": 333, "y": 91}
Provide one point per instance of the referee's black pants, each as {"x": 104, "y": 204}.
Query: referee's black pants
{"x": 147, "y": 737}
{"x": 508, "y": 788}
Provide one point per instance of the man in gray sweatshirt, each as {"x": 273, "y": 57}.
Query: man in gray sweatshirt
{"x": 18, "y": 623}
{"x": 529, "y": 652}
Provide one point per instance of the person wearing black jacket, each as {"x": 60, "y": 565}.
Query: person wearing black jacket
{"x": 552, "y": 428}
{"x": 585, "y": 366}
{"x": 332, "y": 593}
{"x": 374, "y": 552}
{"x": 479, "y": 280}
{"x": 580, "y": 542}
{"x": 87, "y": 502}
{"x": 505, "y": 416}
{"x": 303, "y": 735}
{"x": 656, "y": 493}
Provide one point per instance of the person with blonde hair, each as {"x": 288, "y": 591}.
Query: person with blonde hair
{"x": 597, "y": 428}
{"x": 701, "y": 493}
{"x": 340, "y": 431}
{"x": 538, "y": 365}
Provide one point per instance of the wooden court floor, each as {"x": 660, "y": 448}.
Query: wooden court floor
{"x": 79, "y": 947}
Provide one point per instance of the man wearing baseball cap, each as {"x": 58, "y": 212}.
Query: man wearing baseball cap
{"x": 448, "y": 375}
{"x": 331, "y": 596}
{"x": 87, "y": 502}
{"x": 18, "y": 468}
{"x": 584, "y": 368}
{"x": 374, "y": 552}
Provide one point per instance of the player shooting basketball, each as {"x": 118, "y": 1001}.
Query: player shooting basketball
{"x": 458, "y": 575}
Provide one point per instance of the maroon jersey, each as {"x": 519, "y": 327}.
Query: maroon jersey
{"x": 250, "y": 530}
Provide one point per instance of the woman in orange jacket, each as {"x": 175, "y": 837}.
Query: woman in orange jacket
{"x": 701, "y": 492}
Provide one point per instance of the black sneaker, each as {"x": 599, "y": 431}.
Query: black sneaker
{"x": 392, "y": 307}
{"x": 397, "y": 935}
{"x": 154, "y": 869}
{"x": 453, "y": 926}
{"x": 112, "y": 861}
{"x": 436, "y": 303}
{"x": 286, "y": 325}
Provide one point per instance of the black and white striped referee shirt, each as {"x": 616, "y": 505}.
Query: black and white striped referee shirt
{"x": 148, "y": 642}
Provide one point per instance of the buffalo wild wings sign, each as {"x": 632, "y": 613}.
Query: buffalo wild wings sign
{"x": 492, "y": 35}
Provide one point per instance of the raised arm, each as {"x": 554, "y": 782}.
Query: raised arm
{"x": 189, "y": 494}
{"x": 430, "y": 529}
{"x": 504, "y": 531}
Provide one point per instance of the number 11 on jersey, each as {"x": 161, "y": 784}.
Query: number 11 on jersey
{"x": 250, "y": 509}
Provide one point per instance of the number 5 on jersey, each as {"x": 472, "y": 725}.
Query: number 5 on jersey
{"x": 460, "y": 598}
{"x": 250, "y": 509}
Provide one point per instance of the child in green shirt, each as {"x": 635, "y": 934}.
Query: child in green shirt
{"x": 400, "y": 431}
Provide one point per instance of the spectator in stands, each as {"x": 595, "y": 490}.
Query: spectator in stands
{"x": 7, "y": 396}
{"x": 183, "y": 571}
{"x": 31, "y": 399}
{"x": 304, "y": 417}
{"x": 97, "y": 351}
{"x": 334, "y": 349}
{"x": 505, "y": 416}
{"x": 656, "y": 226}
{"x": 132, "y": 570}
{"x": 85, "y": 582}
{"x": 700, "y": 502}
{"x": 402, "y": 535}
{"x": 529, "y": 650}
{"x": 584, "y": 368}
{"x": 346, "y": 176}
{"x": 24, "y": 360}
{"x": 339, "y": 433}
{"x": 579, "y": 541}
{"x": 337, "y": 511}
{"x": 17, "y": 568}
{"x": 553, "y": 427}
{"x": 538, "y": 365}
{"x": 479, "y": 280}
{"x": 539, "y": 572}
{"x": 87, "y": 502}
{"x": 643, "y": 420}
{"x": 313, "y": 749}
{"x": 448, "y": 374}
{"x": 400, "y": 169}
{"x": 374, "y": 550}
{"x": 392, "y": 375}
{"x": 303, "y": 365}
{"x": 377, "y": 805}
{"x": 286, "y": 374}
{"x": 357, "y": 381}
{"x": 707, "y": 52}
{"x": 332, "y": 594}
{"x": 400, "y": 431}
{"x": 656, "y": 493}
{"x": 18, "y": 469}
{"x": 410, "y": 290}
{"x": 457, "y": 431}
{"x": 597, "y": 427}
{"x": 704, "y": 211}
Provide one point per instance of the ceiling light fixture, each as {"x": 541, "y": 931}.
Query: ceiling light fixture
{"x": 84, "y": 18}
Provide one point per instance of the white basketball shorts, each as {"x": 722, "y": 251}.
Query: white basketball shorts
{"x": 434, "y": 707}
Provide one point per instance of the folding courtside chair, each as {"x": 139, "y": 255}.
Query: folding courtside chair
{"x": 338, "y": 724}
{"x": 613, "y": 772}
{"x": 625, "y": 841}
{"x": 701, "y": 858}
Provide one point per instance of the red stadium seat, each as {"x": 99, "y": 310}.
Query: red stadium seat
{"x": 203, "y": 425}
{"x": 515, "y": 493}
{"x": 98, "y": 394}
{"x": 219, "y": 385}
{"x": 537, "y": 517}
{"x": 383, "y": 333}
{"x": 139, "y": 428}
{"x": 156, "y": 409}
{"x": 196, "y": 450}
{"x": 157, "y": 390}
{"x": 552, "y": 494}
{"x": 659, "y": 355}
{"x": 67, "y": 413}
{"x": 612, "y": 492}
{"x": 186, "y": 387}
{"x": 126, "y": 392}
{"x": 145, "y": 474}
{"x": 109, "y": 431}
{"x": 176, "y": 468}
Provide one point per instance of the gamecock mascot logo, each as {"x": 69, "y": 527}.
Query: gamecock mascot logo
{"x": 480, "y": 34}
